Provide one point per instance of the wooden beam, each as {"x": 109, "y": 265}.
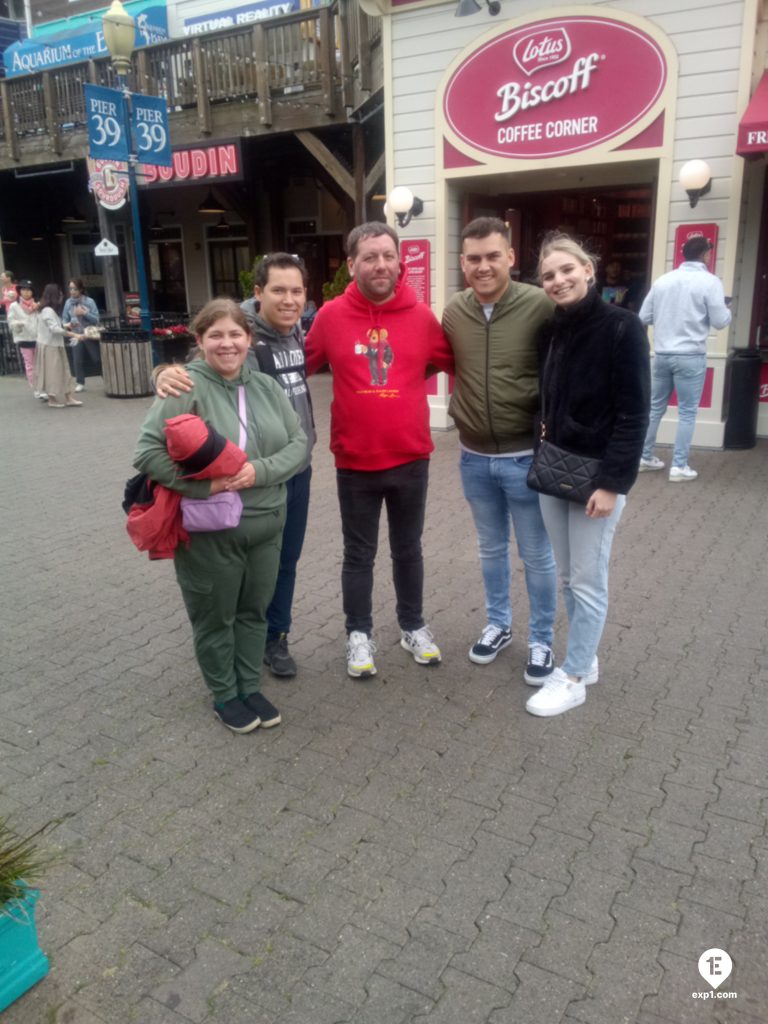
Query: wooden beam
{"x": 51, "y": 113}
{"x": 263, "y": 87}
{"x": 358, "y": 164}
{"x": 203, "y": 102}
{"x": 11, "y": 138}
{"x": 375, "y": 173}
{"x": 328, "y": 161}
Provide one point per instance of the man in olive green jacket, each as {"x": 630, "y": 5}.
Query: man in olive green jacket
{"x": 493, "y": 327}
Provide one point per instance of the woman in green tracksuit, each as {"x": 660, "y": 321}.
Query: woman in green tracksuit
{"x": 227, "y": 576}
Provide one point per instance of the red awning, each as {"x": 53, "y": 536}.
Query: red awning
{"x": 753, "y": 127}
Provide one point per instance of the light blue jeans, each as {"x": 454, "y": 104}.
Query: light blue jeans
{"x": 582, "y": 551}
{"x": 497, "y": 492}
{"x": 686, "y": 375}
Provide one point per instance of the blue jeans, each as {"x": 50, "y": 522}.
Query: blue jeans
{"x": 686, "y": 375}
{"x": 497, "y": 492}
{"x": 297, "y": 507}
{"x": 582, "y": 551}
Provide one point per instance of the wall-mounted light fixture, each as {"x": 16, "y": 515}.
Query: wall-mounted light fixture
{"x": 696, "y": 179}
{"x": 211, "y": 204}
{"x": 404, "y": 204}
{"x": 465, "y": 8}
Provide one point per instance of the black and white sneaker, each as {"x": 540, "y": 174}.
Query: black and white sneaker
{"x": 492, "y": 640}
{"x": 265, "y": 709}
{"x": 236, "y": 715}
{"x": 540, "y": 665}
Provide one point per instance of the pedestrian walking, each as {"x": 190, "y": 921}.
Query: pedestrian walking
{"x": 683, "y": 305}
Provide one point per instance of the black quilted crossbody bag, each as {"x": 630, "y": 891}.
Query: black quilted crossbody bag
{"x": 558, "y": 472}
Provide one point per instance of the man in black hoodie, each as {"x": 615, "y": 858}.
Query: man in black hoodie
{"x": 277, "y": 350}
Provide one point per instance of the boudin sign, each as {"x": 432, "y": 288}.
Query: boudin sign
{"x": 556, "y": 86}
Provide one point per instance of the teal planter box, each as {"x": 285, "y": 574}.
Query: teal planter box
{"x": 22, "y": 962}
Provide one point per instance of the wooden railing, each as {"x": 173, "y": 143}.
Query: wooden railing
{"x": 321, "y": 57}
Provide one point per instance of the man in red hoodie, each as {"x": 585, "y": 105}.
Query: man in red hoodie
{"x": 380, "y": 342}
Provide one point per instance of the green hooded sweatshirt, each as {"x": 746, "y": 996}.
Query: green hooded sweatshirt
{"x": 276, "y": 445}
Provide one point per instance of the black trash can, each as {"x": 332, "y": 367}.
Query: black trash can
{"x": 742, "y": 389}
{"x": 126, "y": 360}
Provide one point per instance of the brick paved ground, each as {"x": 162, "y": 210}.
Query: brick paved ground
{"x": 415, "y": 849}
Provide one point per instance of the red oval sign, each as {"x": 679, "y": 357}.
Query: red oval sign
{"x": 554, "y": 87}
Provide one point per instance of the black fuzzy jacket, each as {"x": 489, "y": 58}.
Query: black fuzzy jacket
{"x": 595, "y": 385}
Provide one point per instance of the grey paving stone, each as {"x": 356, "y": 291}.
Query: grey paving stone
{"x": 465, "y": 1000}
{"x": 527, "y": 898}
{"x": 191, "y": 991}
{"x": 540, "y": 996}
{"x": 377, "y": 809}
{"x": 389, "y": 1003}
{"x": 654, "y": 890}
{"x": 421, "y": 962}
{"x": 354, "y": 958}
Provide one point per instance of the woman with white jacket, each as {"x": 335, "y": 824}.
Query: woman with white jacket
{"x": 52, "y": 368}
{"x": 22, "y": 323}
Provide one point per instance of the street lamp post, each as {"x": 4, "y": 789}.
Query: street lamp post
{"x": 119, "y": 36}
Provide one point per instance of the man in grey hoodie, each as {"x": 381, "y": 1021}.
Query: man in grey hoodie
{"x": 277, "y": 349}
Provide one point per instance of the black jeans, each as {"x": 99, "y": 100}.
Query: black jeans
{"x": 404, "y": 491}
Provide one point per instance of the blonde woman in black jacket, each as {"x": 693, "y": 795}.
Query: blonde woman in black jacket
{"x": 595, "y": 385}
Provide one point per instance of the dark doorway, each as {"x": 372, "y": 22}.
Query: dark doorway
{"x": 614, "y": 223}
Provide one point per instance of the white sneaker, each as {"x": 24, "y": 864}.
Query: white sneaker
{"x": 650, "y": 464}
{"x": 594, "y": 673}
{"x": 42, "y": 396}
{"x": 678, "y": 474}
{"x": 80, "y": 387}
{"x": 420, "y": 643}
{"x": 558, "y": 694}
{"x": 360, "y": 650}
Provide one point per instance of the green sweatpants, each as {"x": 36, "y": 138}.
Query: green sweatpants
{"x": 227, "y": 579}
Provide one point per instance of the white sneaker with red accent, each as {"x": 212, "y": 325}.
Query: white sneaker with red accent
{"x": 558, "y": 694}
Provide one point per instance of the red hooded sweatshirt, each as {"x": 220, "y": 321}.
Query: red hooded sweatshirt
{"x": 379, "y": 356}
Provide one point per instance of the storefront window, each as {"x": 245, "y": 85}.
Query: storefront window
{"x": 228, "y": 255}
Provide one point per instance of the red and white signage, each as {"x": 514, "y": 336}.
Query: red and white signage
{"x": 414, "y": 254}
{"x": 199, "y": 164}
{"x": 685, "y": 232}
{"x": 108, "y": 180}
{"x": 556, "y": 86}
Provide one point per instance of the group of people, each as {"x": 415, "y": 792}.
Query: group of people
{"x": 515, "y": 350}
{"x": 42, "y": 327}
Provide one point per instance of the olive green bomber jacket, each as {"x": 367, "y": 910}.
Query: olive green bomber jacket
{"x": 496, "y": 393}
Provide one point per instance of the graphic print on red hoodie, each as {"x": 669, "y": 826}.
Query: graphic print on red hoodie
{"x": 379, "y": 355}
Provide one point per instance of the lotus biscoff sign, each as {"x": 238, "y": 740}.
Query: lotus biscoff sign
{"x": 555, "y": 87}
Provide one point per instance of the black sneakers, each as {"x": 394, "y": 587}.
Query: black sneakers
{"x": 540, "y": 665}
{"x": 492, "y": 640}
{"x": 267, "y": 712}
{"x": 277, "y": 658}
{"x": 237, "y": 715}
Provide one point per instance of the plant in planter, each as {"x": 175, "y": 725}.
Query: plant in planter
{"x": 22, "y": 962}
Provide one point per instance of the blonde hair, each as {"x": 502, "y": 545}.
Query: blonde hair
{"x": 558, "y": 241}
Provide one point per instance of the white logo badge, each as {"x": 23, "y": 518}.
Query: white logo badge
{"x": 715, "y": 966}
